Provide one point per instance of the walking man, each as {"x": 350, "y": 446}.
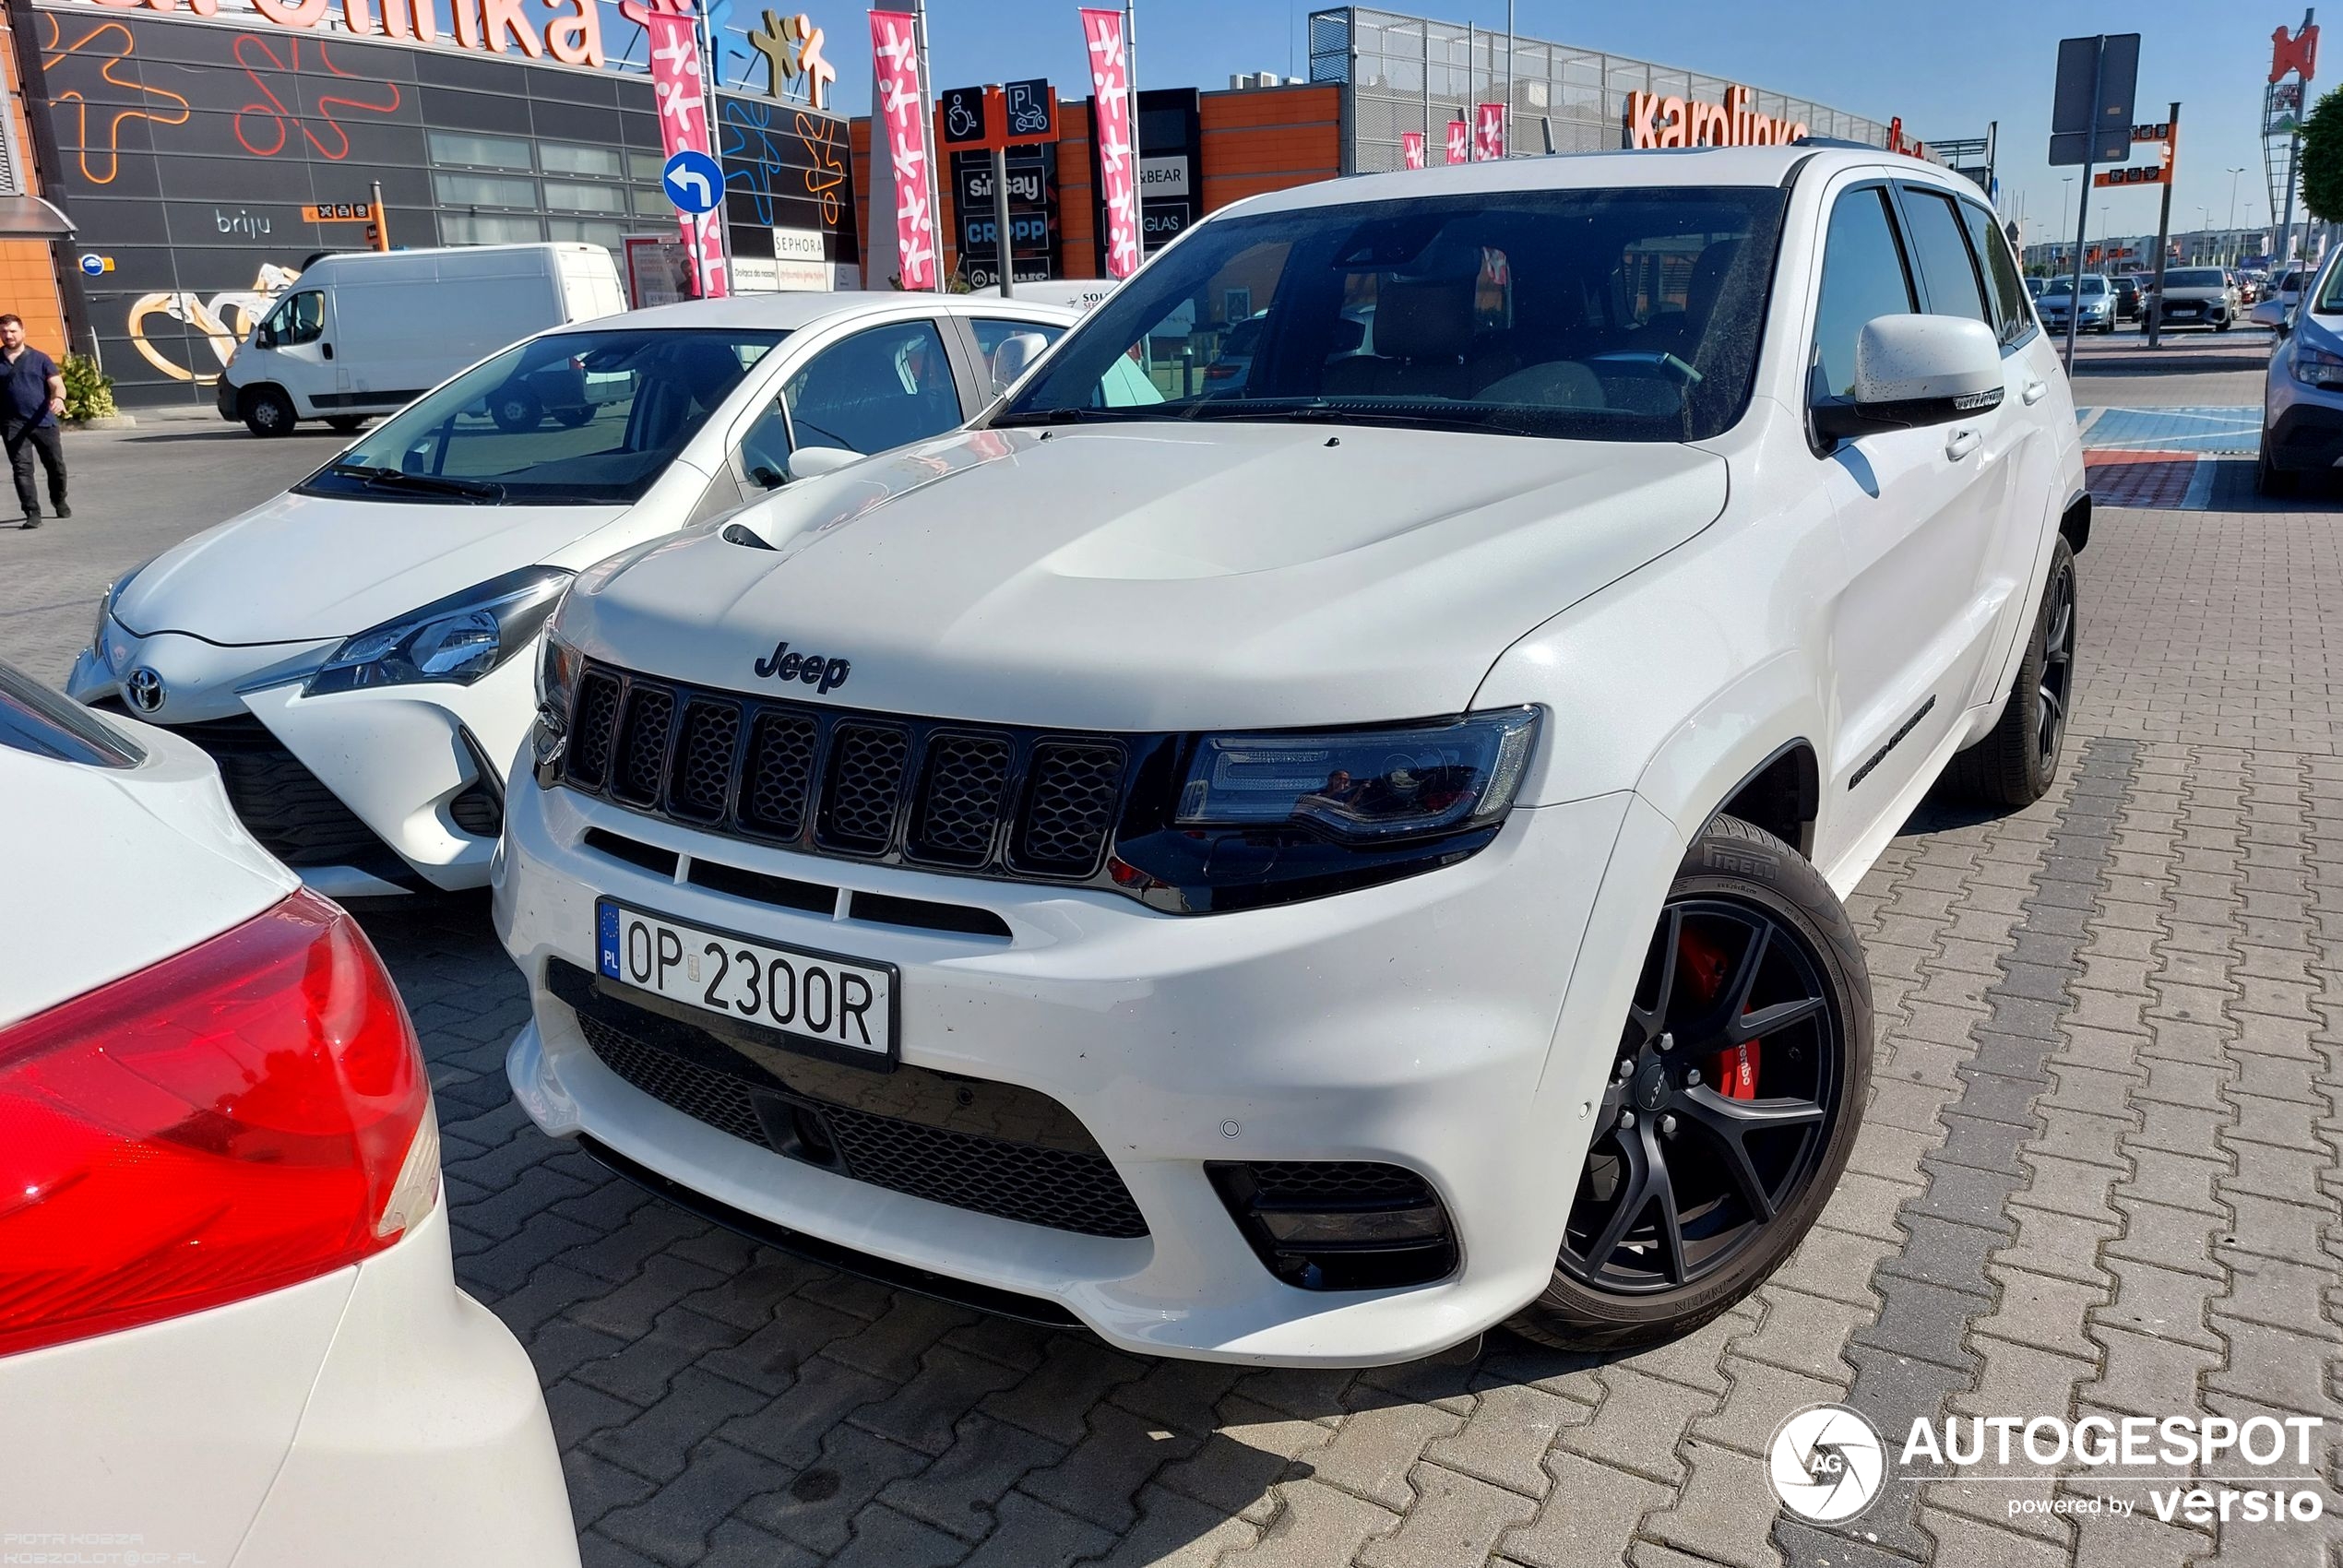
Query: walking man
{"x": 32, "y": 393}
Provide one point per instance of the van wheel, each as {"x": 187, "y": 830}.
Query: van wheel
{"x": 2015, "y": 765}
{"x": 516, "y": 409}
{"x": 269, "y": 411}
{"x": 571, "y": 418}
{"x": 1731, "y": 1109}
{"x": 346, "y": 424}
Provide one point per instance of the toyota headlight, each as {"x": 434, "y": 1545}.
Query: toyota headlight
{"x": 107, "y": 600}
{"x": 458, "y": 639}
{"x": 2316, "y": 367}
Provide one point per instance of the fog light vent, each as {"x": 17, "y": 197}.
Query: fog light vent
{"x": 1340, "y": 1225}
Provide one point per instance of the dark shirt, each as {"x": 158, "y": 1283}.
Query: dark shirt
{"x": 24, "y": 392}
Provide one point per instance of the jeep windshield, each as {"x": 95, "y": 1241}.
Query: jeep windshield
{"x": 1617, "y": 314}
{"x": 575, "y": 418}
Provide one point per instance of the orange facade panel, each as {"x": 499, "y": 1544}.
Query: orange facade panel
{"x": 1270, "y": 106}
{"x": 1315, "y": 150}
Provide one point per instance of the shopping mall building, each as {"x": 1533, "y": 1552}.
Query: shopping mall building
{"x": 199, "y": 150}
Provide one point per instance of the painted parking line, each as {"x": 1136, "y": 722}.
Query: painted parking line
{"x": 2212, "y": 429}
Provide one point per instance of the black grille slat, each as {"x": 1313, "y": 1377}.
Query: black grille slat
{"x": 641, "y": 754}
{"x": 778, "y": 779}
{"x": 961, "y": 789}
{"x": 1069, "y": 807}
{"x": 1063, "y": 1189}
{"x": 704, "y": 748}
{"x": 590, "y": 737}
{"x": 863, "y": 787}
{"x": 988, "y": 801}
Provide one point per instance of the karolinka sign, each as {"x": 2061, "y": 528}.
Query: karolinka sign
{"x": 1657, "y": 119}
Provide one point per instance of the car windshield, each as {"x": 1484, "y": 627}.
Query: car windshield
{"x": 574, "y": 416}
{"x": 2195, "y": 277}
{"x": 2066, "y": 286}
{"x": 1600, "y": 314}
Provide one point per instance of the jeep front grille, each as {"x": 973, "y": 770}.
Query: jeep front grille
{"x": 988, "y": 800}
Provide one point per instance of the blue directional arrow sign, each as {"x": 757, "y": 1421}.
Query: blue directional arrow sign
{"x": 695, "y": 182}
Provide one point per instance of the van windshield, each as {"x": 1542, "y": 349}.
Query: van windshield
{"x": 1611, "y": 314}
{"x": 574, "y": 417}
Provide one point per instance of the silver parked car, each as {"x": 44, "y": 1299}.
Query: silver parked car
{"x": 2196, "y": 296}
{"x": 2303, "y": 390}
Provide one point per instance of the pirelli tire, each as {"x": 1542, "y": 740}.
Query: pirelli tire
{"x": 2017, "y": 762}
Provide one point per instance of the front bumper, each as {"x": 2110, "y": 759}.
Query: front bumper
{"x": 2302, "y": 431}
{"x": 372, "y": 1417}
{"x": 366, "y": 793}
{"x": 1459, "y": 1023}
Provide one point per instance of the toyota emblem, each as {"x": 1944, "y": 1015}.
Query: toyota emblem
{"x": 144, "y": 689}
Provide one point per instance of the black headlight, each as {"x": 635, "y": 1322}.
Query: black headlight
{"x": 1236, "y": 821}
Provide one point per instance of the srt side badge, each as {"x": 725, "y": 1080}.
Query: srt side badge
{"x": 809, "y": 669}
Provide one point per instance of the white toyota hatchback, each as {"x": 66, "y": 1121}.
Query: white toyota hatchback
{"x": 229, "y": 1331}
{"x": 352, "y": 652}
{"x": 1305, "y": 872}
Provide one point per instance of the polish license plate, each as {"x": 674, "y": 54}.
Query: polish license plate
{"x": 842, "y": 1003}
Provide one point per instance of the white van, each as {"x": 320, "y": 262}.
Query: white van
{"x": 366, "y": 332}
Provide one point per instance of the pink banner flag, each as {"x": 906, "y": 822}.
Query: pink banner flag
{"x": 1118, "y": 149}
{"x": 895, "y": 53}
{"x": 680, "y": 94}
{"x": 1459, "y": 142}
{"x": 1488, "y": 131}
{"x": 1412, "y": 148}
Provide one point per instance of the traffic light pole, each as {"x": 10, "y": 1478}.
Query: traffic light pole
{"x": 2164, "y": 229}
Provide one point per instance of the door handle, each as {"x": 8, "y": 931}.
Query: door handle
{"x": 1961, "y": 443}
{"x": 2033, "y": 391}
{"x": 327, "y": 349}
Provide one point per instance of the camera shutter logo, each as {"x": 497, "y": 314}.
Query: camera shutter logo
{"x": 1827, "y": 1464}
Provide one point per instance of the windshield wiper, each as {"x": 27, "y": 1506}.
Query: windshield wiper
{"x": 1070, "y": 416}
{"x": 372, "y": 473}
{"x": 1420, "y": 415}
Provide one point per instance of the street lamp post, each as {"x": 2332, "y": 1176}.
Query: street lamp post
{"x": 2235, "y": 253}
{"x": 2066, "y": 188}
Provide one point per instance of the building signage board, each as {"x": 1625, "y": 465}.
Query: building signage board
{"x": 1160, "y": 176}
{"x": 1664, "y": 120}
{"x": 787, "y": 172}
{"x": 1033, "y": 214}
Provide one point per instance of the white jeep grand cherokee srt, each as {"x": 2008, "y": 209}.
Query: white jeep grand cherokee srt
{"x": 1304, "y": 872}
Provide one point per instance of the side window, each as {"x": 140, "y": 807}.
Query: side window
{"x": 1941, "y": 251}
{"x": 993, "y": 335}
{"x": 1863, "y": 279}
{"x": 2016, "y": 306}
{"x": 300, "y": 319}
{"x": 882, "y": 388}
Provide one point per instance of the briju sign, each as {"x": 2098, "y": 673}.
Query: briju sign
{"x": 1117, "y": 139}
{"x": 1412, "y": 148}
{"x": 1488, "y": 132}
{"x": 680, "y": 94}
{"x": 1656, "y": 120}
{"x": 1459, "y": 142}
{"x": 895, "y": 56}
{"x": 490, "y": 26}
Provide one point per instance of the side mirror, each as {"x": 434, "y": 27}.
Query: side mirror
{"x": 1912, "y": 371}
{"x": 2286, "y": 326}
{"x": 264, "y": 337}
{"x": 1018, "y": 350}
{"x": 807, "y": 462}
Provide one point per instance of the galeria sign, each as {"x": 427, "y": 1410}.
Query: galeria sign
{"x": 485, "y": 25}
{"x": 1654, "y": 120}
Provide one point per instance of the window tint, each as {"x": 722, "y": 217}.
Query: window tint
{"x": 1627, "y": 314}
{"x": 1941, "y": 251}
{"x": 882, "y": 388}
{"x": 2012, "y": 304}
{"x": 586, "y": 416}
{"x": 1862, "y": 280}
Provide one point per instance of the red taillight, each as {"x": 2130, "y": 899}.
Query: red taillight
{"x": 243, "y": 1116}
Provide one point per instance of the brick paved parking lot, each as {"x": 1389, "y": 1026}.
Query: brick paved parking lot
{"x": 2099, "y": 1176}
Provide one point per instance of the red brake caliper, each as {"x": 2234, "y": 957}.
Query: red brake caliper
{"x": 1735, "y": 1068}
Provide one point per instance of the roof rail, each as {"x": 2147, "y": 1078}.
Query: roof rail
{"x": 1838, "y": 142}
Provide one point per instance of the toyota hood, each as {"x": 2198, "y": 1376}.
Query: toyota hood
{"x": 1153, "y": 576}
{"x": 305, "y": 568}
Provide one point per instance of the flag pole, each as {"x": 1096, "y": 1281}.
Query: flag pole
{"x": 1131, "y": 111}
{"x": 927, "y": 118}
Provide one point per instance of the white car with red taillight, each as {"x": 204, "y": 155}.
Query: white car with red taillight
{"x": 229, "y": 1331}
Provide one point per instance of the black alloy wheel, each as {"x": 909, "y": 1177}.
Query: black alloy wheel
{"x": 1690, "y": 1161}
{"x": 2057, "y": 655}
{"x": 1728, "y": 1108}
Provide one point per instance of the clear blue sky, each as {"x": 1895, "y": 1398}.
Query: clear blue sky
{"x": 1946, "y": 69}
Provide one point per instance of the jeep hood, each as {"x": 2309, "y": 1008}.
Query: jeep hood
{"x": 1160, "y": 575}
{"x": 304, "y": 568}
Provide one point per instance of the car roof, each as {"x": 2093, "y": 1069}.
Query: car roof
{"x": 795, "y": 312}
{"x": 1591, "y": 170}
